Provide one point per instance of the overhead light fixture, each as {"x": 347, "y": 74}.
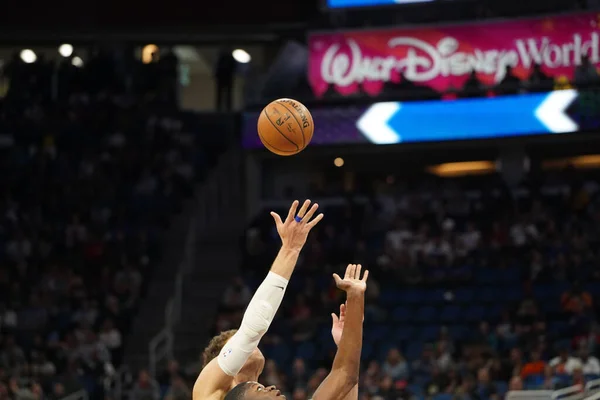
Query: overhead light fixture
{"x": 147, "y": 53}
{"x": 77, "y": 62}
{"x": 28, "y": 56}
{"x": 463, "y": 168}
{"x": 65, "y": 50}
{"x": 241, "y": 56}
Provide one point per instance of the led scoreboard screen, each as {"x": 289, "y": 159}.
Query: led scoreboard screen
{"x": 370, "y": 3}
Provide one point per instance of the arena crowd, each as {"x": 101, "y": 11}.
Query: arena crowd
{"x": 475, "y": 289}
{"x": 472, "y": 293}
{"x": 91, "y": 173}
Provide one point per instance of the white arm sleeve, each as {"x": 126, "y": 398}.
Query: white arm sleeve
{"x": 256, "y": 321}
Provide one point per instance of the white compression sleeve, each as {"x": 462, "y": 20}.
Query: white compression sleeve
{"x": 257, "y": 318}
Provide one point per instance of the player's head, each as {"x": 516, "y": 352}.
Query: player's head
{"x": 251, "y": 369}
{"x": 254, "y": 391}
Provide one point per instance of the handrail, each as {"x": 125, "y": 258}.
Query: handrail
{"x": 571, "y": 392}
{"x": 216, "y": 197}
{"x": 79, "y": 395}
{"x": 592, "y": 385}
{"x": 529, "y": 394}
{"x": 119, "y": 382}
{"x": 160, "y": 347}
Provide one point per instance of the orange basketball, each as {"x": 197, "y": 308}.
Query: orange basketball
{"x": 285, "y": 127}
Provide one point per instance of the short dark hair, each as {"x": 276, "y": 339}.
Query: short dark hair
{"x": 216, "y": 344}
{"x": 238, "y": 392}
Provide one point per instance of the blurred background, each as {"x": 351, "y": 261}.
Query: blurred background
{"x": 456, "y": 154}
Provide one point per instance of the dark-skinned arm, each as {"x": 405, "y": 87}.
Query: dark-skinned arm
{"x": 343, "y": 377}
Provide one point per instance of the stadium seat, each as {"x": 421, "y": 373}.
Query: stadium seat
{"x": 450, "y": 314}
{"x": 413, "y": 350}
{"x": 380, "y": 332}
{"x": 426, "y": 314}
{"x": 306, "y": 350}
{"x": 463, "y": 295}
{"x": 458, "y": 331}
{"x": 401, "y": 314}
{"x": 474, "y": 313}
{"x": 413, "y": 296}
{"x": 443, "y": 396}
{"x": 429, "y": 333}
{"x": 403, "y": 333}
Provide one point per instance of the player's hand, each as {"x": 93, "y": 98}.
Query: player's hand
{"x": 337, "y": 325}
{"x": 352, "y": 283}
{"x": 294, "y": 230}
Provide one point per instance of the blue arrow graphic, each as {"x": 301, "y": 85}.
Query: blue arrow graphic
{"x": 386, "y": 123}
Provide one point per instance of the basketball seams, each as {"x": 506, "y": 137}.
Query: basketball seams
{"x": 281, "y": 133}
{"x": 283, "y": 152}
{"x": 298, "y": 122}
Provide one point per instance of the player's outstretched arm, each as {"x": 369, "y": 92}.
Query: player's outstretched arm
{"x": 293, "y": 233}
{"x": 217, "y": 376}
{"x": 337, "y": 328}
{"x": 343, "y": 377}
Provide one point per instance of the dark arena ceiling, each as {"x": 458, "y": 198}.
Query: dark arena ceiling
{"x": 23, "y": 17}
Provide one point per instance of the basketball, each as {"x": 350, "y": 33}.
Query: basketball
{"x": 285, "y": 127}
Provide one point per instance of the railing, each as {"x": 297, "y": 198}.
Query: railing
{"x": 217, "y": 196}
{"x": 80, "y": 395}
{"x": 569, "y": 393}
{"x": 160, "y": 347}
{"x": 593, "y": 387}
{"x": 591, "y": 391}
{"x": 529, "y": 395}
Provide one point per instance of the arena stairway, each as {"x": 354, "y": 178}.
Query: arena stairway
{"x": 150, "y": 317}
{"x": 217, "y": 218}
{"x": 217, "y": 260}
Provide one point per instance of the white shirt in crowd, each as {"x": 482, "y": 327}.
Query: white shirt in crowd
{"x": 8, "y": 319}
{"x": 471, "y": 239}
{"x": 111, "y": 339}
{"x": 520, "y": 233}
{"x": 438, "y": 249}
{"x": 591, "y": 366}
{"x": 571, "y": 365}
{"x": 19, "y": 250}
{"x": 397, "y": 238}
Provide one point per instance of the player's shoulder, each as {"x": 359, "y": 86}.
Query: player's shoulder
{"x": 212, "y": 383}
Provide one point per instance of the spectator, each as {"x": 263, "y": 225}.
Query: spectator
{"x": 473, "y": 86}
{"x": 510, "y": 84}
{"x": 575, "y": 297}
{"x": 590, "y": 364}
{"x": 586, "y": 73}
{"x": 516, "y": 383}
{"x": 564, "y": 363}
{"x": 443, "y": 357}
{"x": 535, "y": 365}
{"x": 425, "y": 364}
{"x": 471, "y": 238}
{"x": 549, "y": 381}
{"x": 395, "y": 365}
{"x": 271, "y": 375}
{"x": 485, "y": 387}
{"x": 172, "y": 371}
{"x": 299, "y": 374}
{"x": 224, "y": 77}
{"x": 145, "y": 388}
{"x": 110, "y": 337}
{"x": 178, "y": 390}
{"x": 237, "y": 295}
{"x": 539, "y": 81}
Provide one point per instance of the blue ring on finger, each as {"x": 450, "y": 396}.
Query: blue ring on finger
{"x": 298, "y": 219}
